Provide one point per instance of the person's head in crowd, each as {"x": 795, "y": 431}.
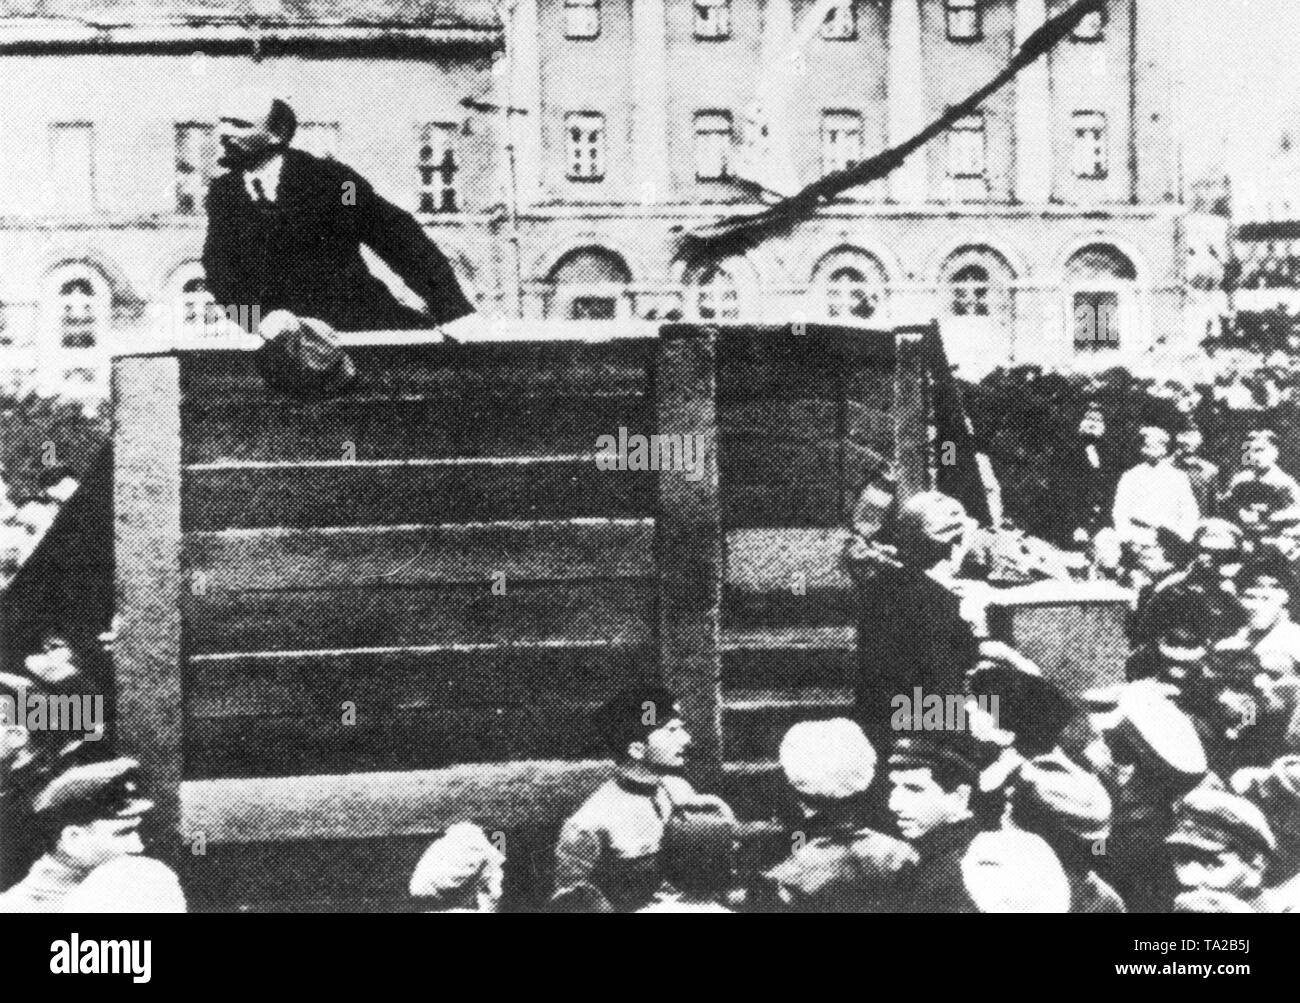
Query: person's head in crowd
{"x": 1222, "y": 843}
{"x": 931, "y": 781}
{"x": 828, "y": 764}
{"x": 1188, "y": 441}
{"x": 929, "y": 526}
{"x": 1144, "y": 551}
{"x": 15, "y": 739}
{"x": 1182, "y": 652}
{"x": 1153, "y": 444}
{"x": 1065, "y": 804}
{"x": 698, "y": 855}
{"x": 1217, "y": 545}
{"x": 1148, "y": 742}
{"x": 253, "y": 125}
{"x": 91, "y": 814}
{"x": 1010, "y": 871}
{"x": 1092, "y": 425}
{"x": 1031, "y": 712}
{"x": 643, "y": 728}
{"x": 1276, "y": 789}
{"x": 1276, "y": 681}
{"x": 1266, "y": 586}
{"x": 1259, "y": 450}
{"x": 54, "y": 663}
{"x": 461, "y": 872}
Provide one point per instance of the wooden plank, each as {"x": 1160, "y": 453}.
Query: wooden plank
{"x": 753, "y": 734}
{"x": 689, "y": 541}
{"x": 819, "y": 607}
{"x": 377, "y": 428}
{"x": 410, "y": 678}
{"x": 371, "y": 805}
{"x": 773, "y": 668}
{"x": 870, "y": 424}
{"x": 759, "y": 363}
{"x": 786, "y": 559}
{"x": 548, "y": 367}
{"x": 349, "y": 494}
{"x": 389, "y": 740}
{"x": 773, "y": 483}
{"x": 282, "y": 559}
{"x": 147, "y": 550}
{"x": 799, "y": 420}
{"x": 753, "y": 505}
{"x": 617, "y": 611}
{"x": 911, "y": 415}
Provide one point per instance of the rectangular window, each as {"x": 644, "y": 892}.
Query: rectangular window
{"x": 966, "y": 149}
{"x": 1090, "y": 152}
{"x": 438, "y": 168}
{"x": 841, "y": 23}
{"x": 1092, "y": 28}
{"x": 72, "y": 166}
{"x": 584, "y": 139}
{"x": 320, "y": 139}
{"x": 712, "y": 145}
{"x": 841, "y": 140}
{"x": 581, "y": 18}
{"x": 712, "y": 18}
{"x": 195, "y": 165}
{"x": 965, "y": 20}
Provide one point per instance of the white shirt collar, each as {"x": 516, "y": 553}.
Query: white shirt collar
{"x": 268, "y": 175}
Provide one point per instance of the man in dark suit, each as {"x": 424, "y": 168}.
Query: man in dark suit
{"x": 285, "y": 231}
{"x": 1080, "y": 484}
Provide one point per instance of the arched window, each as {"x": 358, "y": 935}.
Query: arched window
{"x": 715, "y": 294}
{"x": 971, "y": 291}
{"x": 1101, "y": 281}
{"x": 79, "y": 311}
{"x": 589, "y": 284}
{"x": 849, "y": 283}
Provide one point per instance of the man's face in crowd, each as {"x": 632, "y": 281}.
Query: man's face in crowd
{"x": 665, "y": 747}
{"x": 102, "y": 840}
{"x": 53, "y": 664}
{"x": 1259, "y": 454}
{"x": 1155, "y": 445}
{"x": 920, "y": 805}
{"x": 244, "y": 133}
{"x": 1218, "y": 870}
{"x": 1264, "y": 600}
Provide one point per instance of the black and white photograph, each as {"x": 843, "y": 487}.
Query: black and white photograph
{"x": 651, "y": 456}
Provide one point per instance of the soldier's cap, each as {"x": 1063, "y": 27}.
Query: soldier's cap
{"x": 1218, "y": 527}
{"x": 1028, "y": 704}
{"x": 1055, "y": 788}
{"x": 1010, "y": 871}
{"x": 950, "y": 753}
{"x": 634, "y": 712}
{"x": 1157, "y": 731}
{"x": 827, "y": 760}
{"x": 1215, "y": 820}
{"x": 95, "y": 791}
{"x": 1267, "y": 570}
{"x": 453, "y": 862}
{"x": 1276, "y": 786}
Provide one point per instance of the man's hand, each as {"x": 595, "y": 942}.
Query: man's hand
{"x": 276, "y": 323}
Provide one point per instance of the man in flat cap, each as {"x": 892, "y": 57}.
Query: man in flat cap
{"x": 285, "y": 233}
{"x": 1068, "y": 807}
{"x": 1272, "y": 509}
{"x": 1276, "y": 790}
{"x": 612, "y": 842}
{"x": 1010, "y": 871}
{"x": 1201, "y": 473}
{"x": 90, "y": 818}
{"x": 931, "y": 781}
{"x": 1151, "y": 755}
{"x": 838, "y": 863}
{"x": 1223, "y": 844}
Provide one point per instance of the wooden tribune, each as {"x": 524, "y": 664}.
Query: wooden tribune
{"x": 363, "y": 619}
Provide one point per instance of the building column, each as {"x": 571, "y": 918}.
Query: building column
{"x": 906, "y": 98}
{"x": 525, "y": 94}
{"x": 1033, "y": 136}
{"x": 650, "y": 101}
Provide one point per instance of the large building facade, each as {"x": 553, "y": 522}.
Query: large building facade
{"x": 559, "y": 150}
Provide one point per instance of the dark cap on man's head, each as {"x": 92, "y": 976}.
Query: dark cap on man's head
{"x": 1267, "y": 568}
{"x": 1217, "y": 821}
{"x": 1029, "y": 705}
{"x": 951, "y": 754}
{"x": 634, "y": 712}
{"x": 84, "y": 794}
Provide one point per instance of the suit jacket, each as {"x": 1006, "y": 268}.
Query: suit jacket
{"x": 936, "y": 884}
{"x": 302, "y": 252}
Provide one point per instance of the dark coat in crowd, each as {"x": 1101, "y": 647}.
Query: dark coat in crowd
{"x": 842, "y": 867}
{"x": 302, "y": 252}
{"x": 936, "y": 883}
{"x": 1081, "y": 491}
